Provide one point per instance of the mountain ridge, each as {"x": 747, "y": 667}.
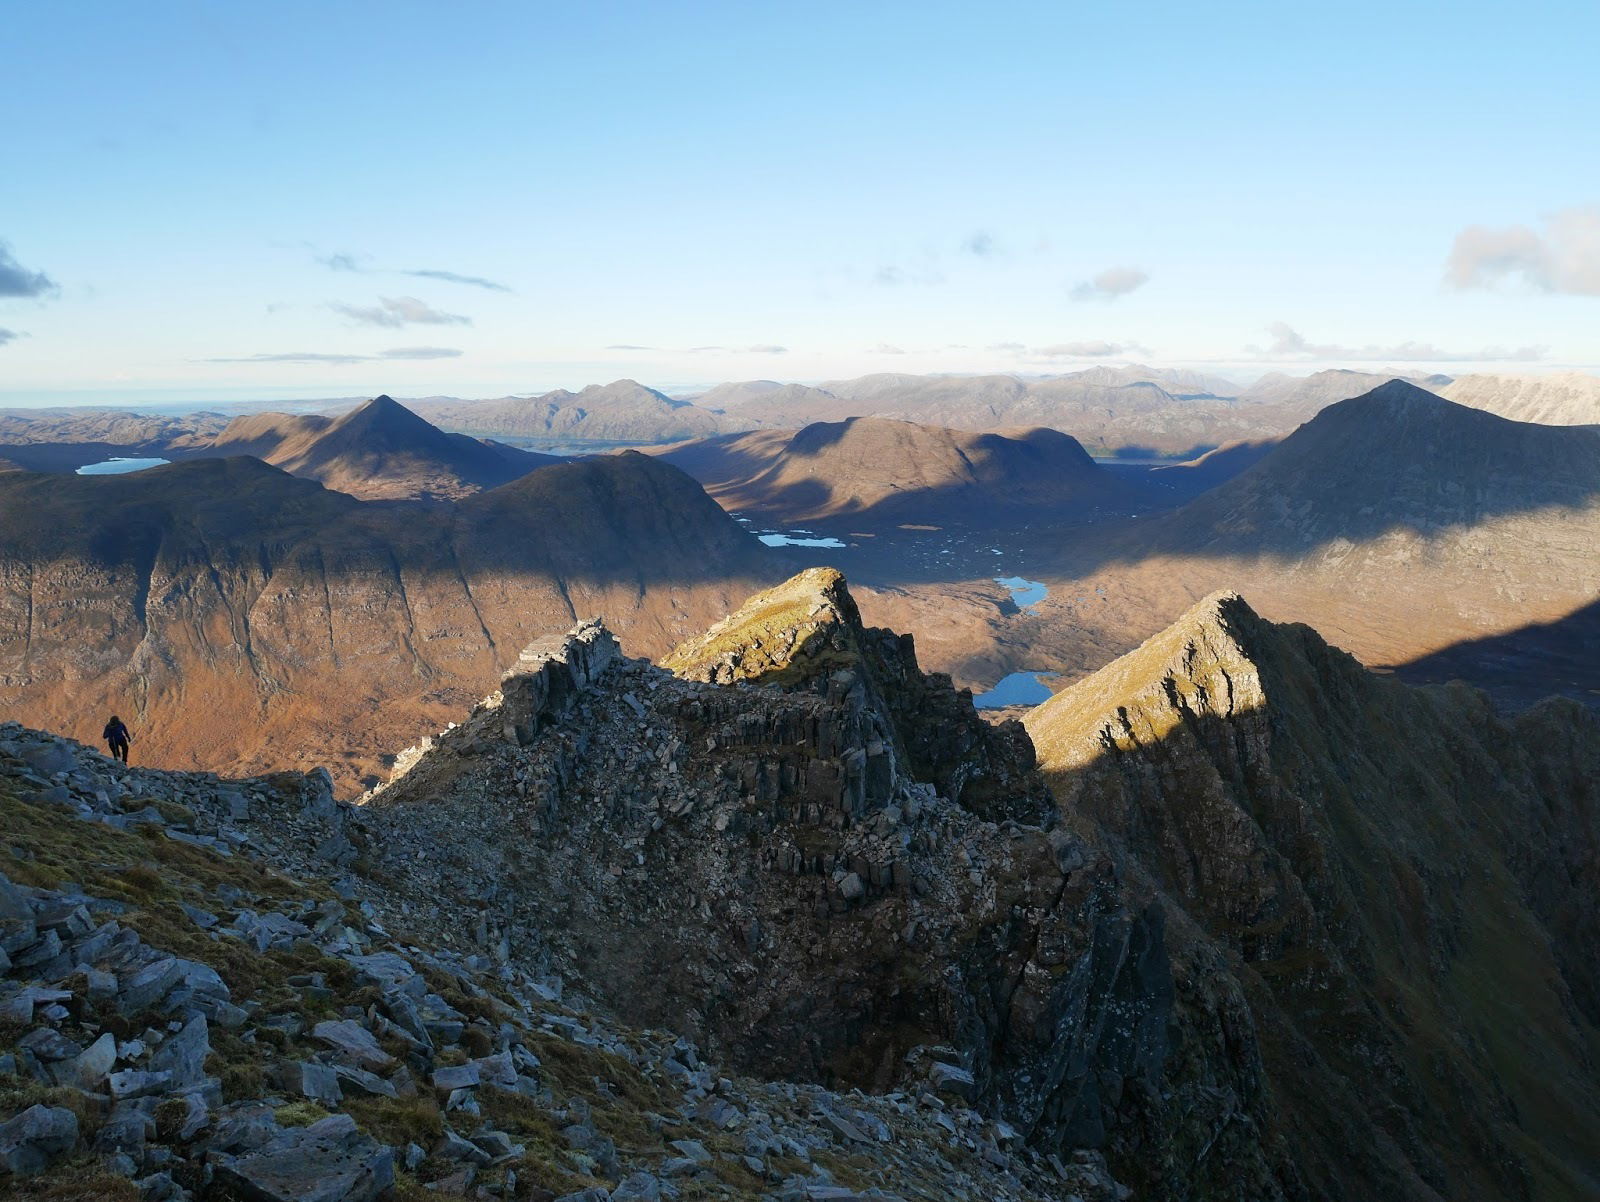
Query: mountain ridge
{"x": 378, "y": 451}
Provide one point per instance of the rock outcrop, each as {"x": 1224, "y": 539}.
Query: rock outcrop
{"x": 1398, "y": 885}
{"x": 180, "y": 1019}
{"x": 743, "y": 928}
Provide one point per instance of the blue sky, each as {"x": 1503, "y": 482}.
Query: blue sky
{"x": 220, "y": 198}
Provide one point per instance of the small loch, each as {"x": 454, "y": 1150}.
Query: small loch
{"x": 119, "y": 465}
{"x": 1019, "y": 688}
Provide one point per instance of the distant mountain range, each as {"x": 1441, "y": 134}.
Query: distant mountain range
{"x": 1128, "y": 410}
{"x": 877, "y": 470}
{"x": 623, "y": 411}
{"x": 379, "y": 451}
{"x": 1398, "y": 521}
{"x": 1569, "y": 398}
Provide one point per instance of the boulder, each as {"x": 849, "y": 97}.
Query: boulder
{"x": 88, "y": 1069}
{"x": 184, "y": 1055}
{"x": 35, "y": 1138}
{"x": 353, "y": 1044}
{"x": 329, "y": 1161}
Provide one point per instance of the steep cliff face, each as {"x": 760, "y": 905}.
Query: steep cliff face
{"x": 763, "y": 864}
{"x": 1401, "y": 885}
{"x": 807, "y": 636}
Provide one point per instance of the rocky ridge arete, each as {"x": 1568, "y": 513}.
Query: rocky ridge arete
{"x": 1256, "y": 925}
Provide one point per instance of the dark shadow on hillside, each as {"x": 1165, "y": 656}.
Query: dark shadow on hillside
{"x": 1396, "y": 460}
{"x": 1327, "y": 832}
{"x": 70, "y": 456}
{"x": 1522, "y": 667}
{"x": 614, "y": 520}
{"x": 1134, "y": 450}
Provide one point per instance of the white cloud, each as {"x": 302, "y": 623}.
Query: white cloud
{"x": 885, "y": 348}
{"x": 399, "y": 352}
{"x": 358, "y": 263}
{"x": 421, "y": 352}
{"x": 1288, "y": 343}
{"x": 396, "y": 311}
{"x": 1562, "y": 256}
{"x": 1088, "y": 349}
{"x": 1110, "y": 284}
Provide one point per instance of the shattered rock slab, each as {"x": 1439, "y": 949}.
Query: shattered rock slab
{"x": 329, "y": 1161}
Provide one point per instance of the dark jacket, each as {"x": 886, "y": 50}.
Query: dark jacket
{"x": 115, "y": 732}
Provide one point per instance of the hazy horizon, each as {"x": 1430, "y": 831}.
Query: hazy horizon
{"x": 512, "y": 199}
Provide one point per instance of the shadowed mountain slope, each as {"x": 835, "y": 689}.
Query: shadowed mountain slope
{"x": 1398, "y": 457}
{"x": 1309, "y": 394}
{"x": 64, "y": 439}
{"x": 1398, "y": 523}
{"x": 236, "y": 615}
{"x": 1524, "y": 666}
{"x": 378, "y": 451}
{"x": 878, "y": 470}
{"x": 1403, "y": 886}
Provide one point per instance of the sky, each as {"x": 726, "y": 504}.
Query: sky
{"x": 260, "y": 201}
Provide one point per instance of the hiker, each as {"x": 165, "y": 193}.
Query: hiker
{"x": 117, "y": 738}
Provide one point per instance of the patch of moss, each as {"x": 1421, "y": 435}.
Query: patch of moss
{"x": 81, "y": 1179}
{"x": 401, "y": 1121}
{"x": 299, "y": 1114}
{"x": 19, "y": 1093}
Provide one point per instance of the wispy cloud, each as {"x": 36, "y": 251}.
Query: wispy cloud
{"x": 452, "y": 277}
{"x": 17, "y": 280}
{"x": 421, "y": 352}
{"x": 293, "y": 357}
{"x": 1110, "y": 284}
{"x": 761, "y": 348}
{"x": 327, "y": 359}
{"x": 1088, "y": 349}
{"x": 891, "y": 275}
{"x": 343, "y": 262}
{"x": 885, "y": 348}
{"x": 1014, "y": 348}
{"x": 1563, "y": 255}
{"x": 8, "y": 335}
{"x": 360, "y": 263}
{"x": 396, "y": 311}
{"x": 628, "y": 346}
{"x": 981, "y": 244}
{"x": 1288, "y": 343}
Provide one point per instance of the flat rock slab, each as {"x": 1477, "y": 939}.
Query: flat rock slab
{"x": 329, "y": 1161}
{"x": 353, "y": 1044}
